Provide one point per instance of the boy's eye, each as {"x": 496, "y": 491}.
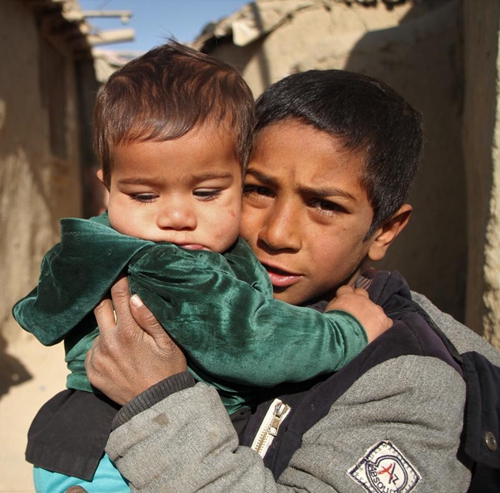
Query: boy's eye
{"x": 143, "y": 197}
{"x": 257, "y": 190}
{"x": 207, "y": 193}
{"x": 326, "y": 207}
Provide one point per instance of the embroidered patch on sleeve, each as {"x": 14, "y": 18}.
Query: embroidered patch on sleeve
{"x": 384, "y": 469}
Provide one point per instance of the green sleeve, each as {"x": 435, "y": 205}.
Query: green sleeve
{"x": 219, "y": 308}
{"x": 75, "y": 275}
{"x": 233, "y": 329}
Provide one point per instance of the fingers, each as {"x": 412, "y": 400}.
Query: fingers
{"x": 104, "y": 314}
{"x": 343, "y": 290}
{"x": 362, "y": 292}
{"x": 143, "y": 316}
{"x": 129, "y": 356}
{"x": 116, "y": 313}
{"x": 116, "y": 307}
{"x": 96, "y": 347}
{"x": 120, "y": 294}
{"x": 150, "y": 325}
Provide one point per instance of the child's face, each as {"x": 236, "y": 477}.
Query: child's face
{"x": 186, "y": 191}
{"x": 305, "y": 213}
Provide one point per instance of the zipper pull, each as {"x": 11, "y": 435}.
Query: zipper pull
{"x": 269, "y": 427}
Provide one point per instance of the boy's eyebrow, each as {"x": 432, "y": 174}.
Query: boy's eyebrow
{"x": 267, "y": 180}
{"x": 322, "y": 192}
{"x": 327, "y": 192}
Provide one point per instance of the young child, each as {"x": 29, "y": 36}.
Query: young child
{"x": 173, "y": 132}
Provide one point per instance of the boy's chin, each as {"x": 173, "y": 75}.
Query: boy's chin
{"x": 283, "y": 294}
{"x": 294, "y": 297}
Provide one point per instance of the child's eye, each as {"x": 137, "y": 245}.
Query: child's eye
{"x": 257, "y": 190}
{"x": 207, "y": 193}
{"x": 143, "y": 197}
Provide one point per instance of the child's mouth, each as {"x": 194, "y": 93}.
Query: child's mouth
{"x": 191, "y": 246}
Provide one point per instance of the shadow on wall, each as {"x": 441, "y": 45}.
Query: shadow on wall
{"x": 422, "y": 59}
{"x": 12, "y": 371}
{"x": 263, "y": 63}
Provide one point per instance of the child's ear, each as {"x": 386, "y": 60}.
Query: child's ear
{"x": 100, "y": 176}
{"x": 383, "y": 238}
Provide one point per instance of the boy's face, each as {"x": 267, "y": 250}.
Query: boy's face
{"x": 305, "y": 213}
{"x": 186, "y": 191}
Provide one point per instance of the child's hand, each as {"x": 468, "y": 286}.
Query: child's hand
{"x": 357, "y": 303}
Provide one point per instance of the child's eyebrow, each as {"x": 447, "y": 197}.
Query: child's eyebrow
{"x": 199, "y": 178}
{"x": 135, "y": 181}
{"x": 213, "y": 176}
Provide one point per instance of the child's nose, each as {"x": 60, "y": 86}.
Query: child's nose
{"x": 177, "y": 217}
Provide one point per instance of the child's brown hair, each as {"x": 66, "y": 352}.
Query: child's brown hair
{"x": 164, "y": 94}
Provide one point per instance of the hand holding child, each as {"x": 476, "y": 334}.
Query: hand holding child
{"x": 133, "y": 352}
{"x": 357, "y": 303}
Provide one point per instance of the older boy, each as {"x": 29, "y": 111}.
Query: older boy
{"x": 334, "y": 157}
{"x": 173, "y": 132}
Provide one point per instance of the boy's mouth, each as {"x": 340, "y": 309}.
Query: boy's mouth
{"x": 281, "y": 278}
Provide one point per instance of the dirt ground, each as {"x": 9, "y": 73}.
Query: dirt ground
{"x": 34, "y": 373}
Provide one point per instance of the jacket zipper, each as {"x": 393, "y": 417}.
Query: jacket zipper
{"x": 268, "y": 430}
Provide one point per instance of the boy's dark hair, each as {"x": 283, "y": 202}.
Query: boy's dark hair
{"x": 367, "y": 115}
{"x": 164, "y": 94}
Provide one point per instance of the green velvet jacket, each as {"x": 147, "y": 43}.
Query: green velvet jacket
{"x": 216, "y": 307}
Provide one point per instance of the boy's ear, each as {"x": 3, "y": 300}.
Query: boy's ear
{"x": 383, "y": 238}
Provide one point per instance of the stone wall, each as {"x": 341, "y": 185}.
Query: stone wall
{"x": 40, "y": 165}
{"x": 421, "y": 58}
{"x": 481, "y": 141}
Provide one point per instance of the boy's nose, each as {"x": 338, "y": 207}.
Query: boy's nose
{"x": 178, "y": 217}
{"x": 281, "y": 229}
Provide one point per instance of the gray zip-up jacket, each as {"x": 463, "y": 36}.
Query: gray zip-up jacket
{"x": 394, "y": 428}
